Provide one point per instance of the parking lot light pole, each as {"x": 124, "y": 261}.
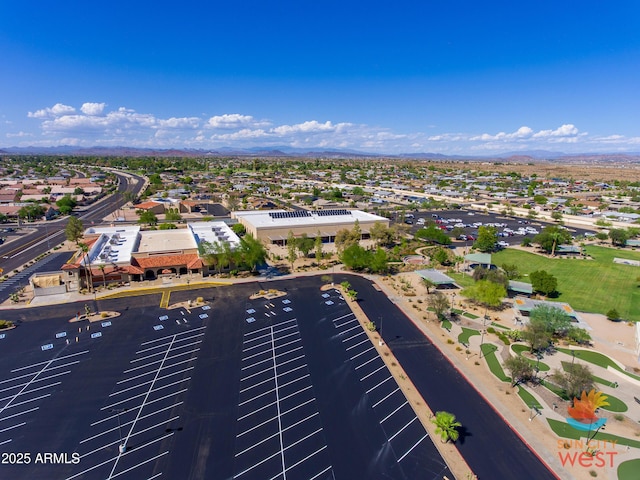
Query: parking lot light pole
{"x": 121, "y": 446}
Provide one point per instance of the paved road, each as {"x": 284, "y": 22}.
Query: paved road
{"x": 487, "y": 443}
{"x": 52, "y": 262}
{"x": 18, "y": 252}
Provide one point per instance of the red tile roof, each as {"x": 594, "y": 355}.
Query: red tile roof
{"x": 167, "y": 261}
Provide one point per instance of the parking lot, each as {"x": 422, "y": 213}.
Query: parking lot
{"x": 512, "y": 230}
{"x": 288, "y": 387}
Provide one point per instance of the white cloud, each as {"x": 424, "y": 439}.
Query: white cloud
{"x": 90, "y": 108}
{"x": 566, "y": 130}
{"x": 57, "y": 110}
{"x": 230, "y": 121}
{"x": 19, "y": 135}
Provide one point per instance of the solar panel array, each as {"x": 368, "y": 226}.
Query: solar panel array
{"x": 294, "y": 214}
{"x": 332, "y": 212}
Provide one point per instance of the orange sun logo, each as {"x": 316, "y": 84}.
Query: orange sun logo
{"x": 584, "y": 409}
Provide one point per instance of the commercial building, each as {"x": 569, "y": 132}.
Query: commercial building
{"x": 124, "y": 254}
{"x": 273, "y": 226}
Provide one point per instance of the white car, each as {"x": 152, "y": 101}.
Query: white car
{"x": 503, "y": 244}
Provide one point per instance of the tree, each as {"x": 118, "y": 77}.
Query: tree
{"x": 618, "y": 236}
{"x": 511, "y": 271}
{"x": 440, "y": 255}
{"x": 317, "y": 246}
{"x": 439, "y": 303}
{"x": 543, "y": 282}
{"x": 172, "y": 215}
{"x": 486, "y": 292}
{"x": 74, "y": 229}
{"x": 613, "y": 315}
{"x": 305, "y": 244}
{"x": 577, "y": 379}
{"x": 537, "y": 336}
{"x": 292, "y": 249}
{"x": 87, "y": 265}
{"x": 104, "y": 278}
{"x": 520, "y": 368}
{"x": 557, "y": 216}
{"x": 487, "y": 239}
{"x": 446, "y": 426}
{"x": 433, "y": 234}
{"x": 495, "y": 276}
{"x": 551, "y": 237}
{"x": 577, "y": 335}
{"x": 239, "y": 229}
{"x": 252, "y": 251}
{"x": 31, "y": 212}
{"x": 381, "y": 234}
{"x": 553, "y": 319}
{"x": 147, "y": 217}
{"x": 167, "y": 226}
{"x": 66, "y": 204}
{"x": 428, "y": 284}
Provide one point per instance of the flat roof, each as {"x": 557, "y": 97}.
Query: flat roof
{"x": 213, "y": 232}
{"x": 520, "y": 287}
{"x": 525, "y": 304}
{"x": 435, "y": 276}
{"x": 114, "y": 244}
{"x": 482, "y": 258}
{"x": 166, "y": 240}
{"x": 261, "y": 218}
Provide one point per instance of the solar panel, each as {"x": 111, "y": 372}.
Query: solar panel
{"x": 293, "y": 214}
{"x": 333, "y": 212}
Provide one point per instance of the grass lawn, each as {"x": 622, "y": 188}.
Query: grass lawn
{"x": 629, "y": 470}
{"x": 446, "y": 324}
{"x": 519, "y": 348}
{"x": 489, "y": 354}
{"x": 500, "y": 326}
{"x": 466, "y": 333}
{"x": 565, "y": 430}
{"x": 596, "y": 285}
{"x": 529, "y": 399}
{"x": 470, "y": 315}
{"x": 598, "y": 359}
{"x": 555, "y": 389}
{"x": 461, "y": 279}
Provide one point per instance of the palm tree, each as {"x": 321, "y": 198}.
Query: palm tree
{"x": 87, "y": 266}
{"x": 104, "y": 279}
{"x": 446, "y": 426}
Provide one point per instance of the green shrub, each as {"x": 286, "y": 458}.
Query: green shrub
{"x": 491, "y": 330}
{"x": 5, "y": 324}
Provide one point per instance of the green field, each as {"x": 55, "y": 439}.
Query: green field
{"x": 629, "y": 470}
{"x": 563, "y": 429}
{"x": 518, "y": 348}
{"x": 529, "y": 399}
{"x": 598, "y": 359}
{"x": 596, "y": 285}
{"x": 489, "y": 354}
{"x": 466, "y": 333}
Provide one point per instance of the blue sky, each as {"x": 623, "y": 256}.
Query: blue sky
{"x": 452, "y": 77}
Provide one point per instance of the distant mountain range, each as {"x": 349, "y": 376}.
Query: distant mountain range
{"x": 285, "y": 151}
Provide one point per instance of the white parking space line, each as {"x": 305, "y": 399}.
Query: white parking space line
{"x": 291, "y": 360}
{"x": 150, "y": 381}
{"x": 170, "y": 358}
{"x": 269, "y": 328}
{"x": 17, "y": 404}
{"x": 55, "y": 367}
{"x": 343, "y": 316}
{"x": 392, "y": 413}
{"x": 293, "y": 369}
{"x": 138, "y": 448}
{"x": 193, "y": 330}
{"x": 256, "y": 411}
{"x": 257, "y": 465}
{"x": 256, "y": 346}
{"x": 126, "y": 439}
{"x": 349, "y": 329}
{"x": 367, "y": 362}
{"x": 38, "y": 380}
{"x": 294, "y": 381}
{"x": 298, "y": 406}
{"x": 6, "y": 441}
{"x": 321, "y": 473}
{"x": 149, "y": 403}
{"x": 140, "y": 464}
{"x": 256, "y": 374}
{"x": 386, "y": 396}
{"x": 140, "y": 359}
{"x": 165, "y": 344}
{"x": 376, "y": 386}
{"x": 344, "y": 324}
{"x": 362, "y": 353}
{"x": 288, "y": 352}
{"x": 372, "y": 373}
{"x": 348, "y": 339}
{"x": 12, "y": 427}
{"x": 127, "y": 423}
{"x": 303, "y": 439}
{"x": 256, "y": 426}
{"x": 304, "y": 459}
{"x": 50, "y": 361}
{"x": 278, "y": 347}
{"x": 288, "y": 335}
{"x": 414, "y": 446}
{"x": 399, "y": 431}
{"x": 256, "y": 397}
{"x": 248, "y": 449}
{"x": 254, "y": 339}
{"x": 18, "y": 414}
{"x": 358, "y": 344}
{"x": 155, "y": 476}
{"x": 300, "y": 421}
{"x": 256, "y": 385}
